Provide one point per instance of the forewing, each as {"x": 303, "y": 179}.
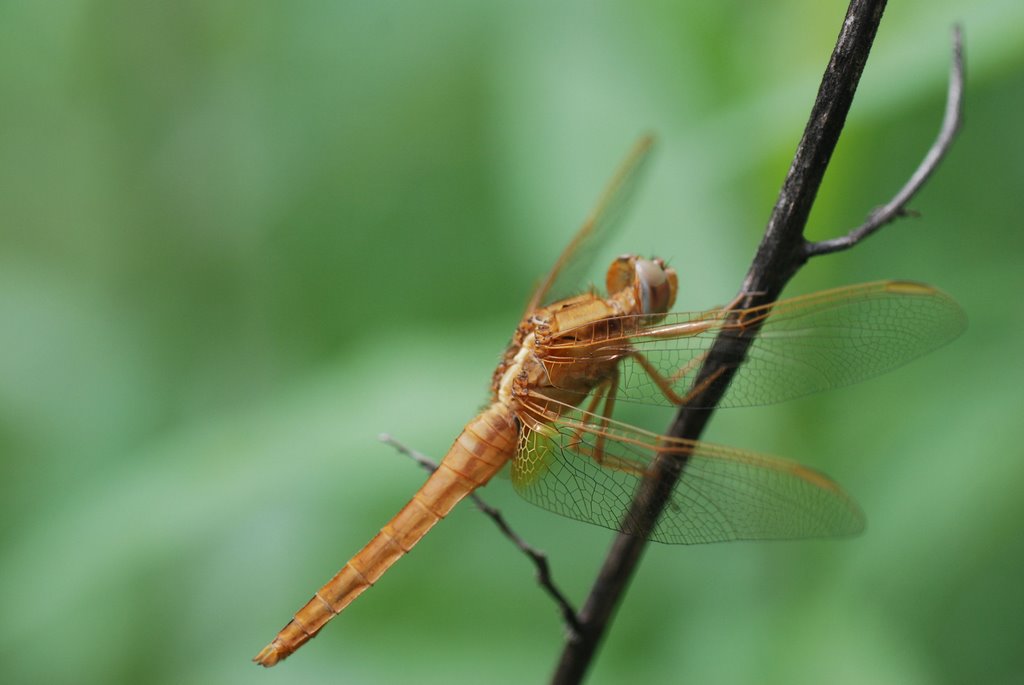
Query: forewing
{"x": 806, "y": 344}
{"x": 589, "y": 469}
{"x": 568, "y": 276}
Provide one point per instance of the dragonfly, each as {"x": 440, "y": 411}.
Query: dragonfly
{"x": 575, "y": 357}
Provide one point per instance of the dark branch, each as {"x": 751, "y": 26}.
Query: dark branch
{"x": 538, "y": 558}
{"x": 896, "y": 207}
{"x": 780, "y": 255}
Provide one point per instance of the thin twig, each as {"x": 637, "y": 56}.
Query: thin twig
{"x": 779, "y": 256}
{"x": 539, "y": 559}
{"x": 896, "y": 207}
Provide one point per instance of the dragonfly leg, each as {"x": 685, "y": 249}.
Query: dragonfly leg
{"x": 597, "y": 451}
{"x": 606, "y": 413}
{"x": 600, "y": 392}
{"x": 734, "y": 303}
{"x": 599, "y": 455}
{"x": 698, "y": 390}
{"x": 686, "y": 368}
{"x": 665, "y": 383}
{"x": 605, "y": 392}
{"x": 733, "y": 307}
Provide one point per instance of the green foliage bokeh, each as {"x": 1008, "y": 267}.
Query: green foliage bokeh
{"x": 239, "y": 240}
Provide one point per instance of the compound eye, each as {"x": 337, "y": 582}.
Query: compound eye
{"x": 653, "y": 286}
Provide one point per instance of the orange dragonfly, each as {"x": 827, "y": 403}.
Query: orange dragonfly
{"x": 572, "y": 360}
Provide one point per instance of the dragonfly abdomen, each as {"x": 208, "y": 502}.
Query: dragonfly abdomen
{"x": 480, "y": 451}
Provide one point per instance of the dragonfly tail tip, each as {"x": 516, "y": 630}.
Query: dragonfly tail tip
{"x": 268, "y": 656}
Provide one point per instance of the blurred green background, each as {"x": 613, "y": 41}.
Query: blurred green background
{"x": 239, "y": 240}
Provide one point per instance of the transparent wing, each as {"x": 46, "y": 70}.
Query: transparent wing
{"x": 568, "y": 275}
{"x": 806, "y": 344}
{"x": 588, "y": 468}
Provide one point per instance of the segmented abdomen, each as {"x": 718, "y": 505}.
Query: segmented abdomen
{"x": 483, "y": 447}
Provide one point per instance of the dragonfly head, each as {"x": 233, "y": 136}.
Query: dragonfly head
{"x": 651, "y": 283}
